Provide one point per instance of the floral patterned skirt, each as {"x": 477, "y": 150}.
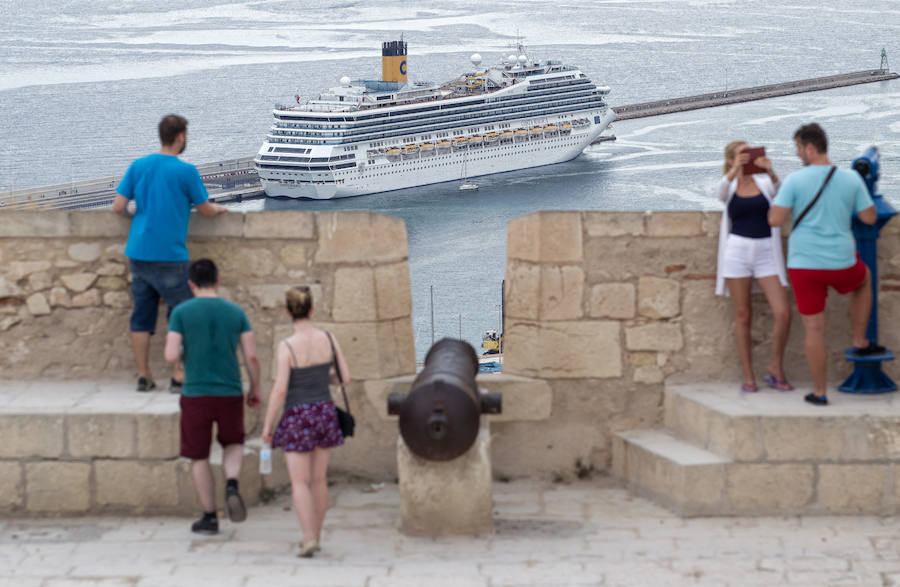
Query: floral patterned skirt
{"x": 308, "y": 426}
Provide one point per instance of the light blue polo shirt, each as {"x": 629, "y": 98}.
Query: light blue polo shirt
{"x": 163, "y": 188}
{"x": 823, "y": 240}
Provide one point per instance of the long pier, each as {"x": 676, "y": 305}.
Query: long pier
{"x": 236, "y": 179}
{"x": 226, "y": 181}
{"x": 724, "y": 97}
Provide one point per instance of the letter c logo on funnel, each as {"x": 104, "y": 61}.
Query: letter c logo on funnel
{"x": 403, "y": 67}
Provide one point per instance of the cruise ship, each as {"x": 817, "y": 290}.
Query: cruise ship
{"x": 370, "y": 136}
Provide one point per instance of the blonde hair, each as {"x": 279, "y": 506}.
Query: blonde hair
{"x": 298, "y": 301}
{"x": 730, "y": 148}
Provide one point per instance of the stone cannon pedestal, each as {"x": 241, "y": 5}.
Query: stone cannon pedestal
{"x": 447, "y": 498}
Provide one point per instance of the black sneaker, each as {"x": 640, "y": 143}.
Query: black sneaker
{"x": 174, "y": 386}
{"x": 234, "y": 505}
{"x": 816, "y": 400}
{"x": 204, "y": 525}
{"x": 145, "y": 384}
{"x": 871, "y": 349}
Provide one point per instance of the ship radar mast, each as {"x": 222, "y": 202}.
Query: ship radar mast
{"x": 521, "y": 49}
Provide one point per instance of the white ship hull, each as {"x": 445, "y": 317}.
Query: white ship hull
{"x": 385, "y": 176}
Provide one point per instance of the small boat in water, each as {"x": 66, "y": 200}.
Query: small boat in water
{"x": 466, "y": 185}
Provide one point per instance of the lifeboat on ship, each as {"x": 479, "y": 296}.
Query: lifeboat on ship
{"x": 426, "y": 149}
{"x": 476, "y": 141}
{"x": 443, "y": 146}
{"x": 550, "y": 128}
{"x": 393, "y": 153}
{"x": 460, "y": 142}
{"x": 491, "y": 137}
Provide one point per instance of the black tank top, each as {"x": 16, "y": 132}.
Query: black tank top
{"x": 750, "y": 216}
{"x": 307, "y": 385}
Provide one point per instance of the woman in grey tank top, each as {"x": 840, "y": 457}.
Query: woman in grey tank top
{"x": 308, "y": 426}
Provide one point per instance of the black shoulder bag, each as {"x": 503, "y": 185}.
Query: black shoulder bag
{"x": 345, "y": 418}
{"x": 816, "y": 199}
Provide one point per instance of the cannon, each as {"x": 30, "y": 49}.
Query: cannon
{"x": 439, "y": 418}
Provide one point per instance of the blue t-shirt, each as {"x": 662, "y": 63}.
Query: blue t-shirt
{"x": 823, "y": 240}
{"x": 211, "y": 331}
{"x": 163, "y": 188}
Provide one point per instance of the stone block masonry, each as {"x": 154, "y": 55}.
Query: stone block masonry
{"x": 608, "y": 306}
{"x": 64, "y": 310}
{"x": 603, "y": 309}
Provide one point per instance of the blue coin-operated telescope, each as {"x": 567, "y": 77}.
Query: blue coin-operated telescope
{"x": 867, "y": 376}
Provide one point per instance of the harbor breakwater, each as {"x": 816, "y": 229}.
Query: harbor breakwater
{"x": 667, "y": 106}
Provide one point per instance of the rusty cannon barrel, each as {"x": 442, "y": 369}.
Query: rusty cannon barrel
{"x": 440, "y": 416}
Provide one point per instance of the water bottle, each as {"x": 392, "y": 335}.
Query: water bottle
{"x": 265, "y": 459}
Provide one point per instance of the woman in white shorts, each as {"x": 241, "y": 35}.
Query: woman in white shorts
{"x": 749, "y": 248}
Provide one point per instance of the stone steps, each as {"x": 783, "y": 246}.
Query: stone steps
{"x": 86, "y": 447}
{"x": 780, "y": 427}
{"x": 725, "y": 453}
{"x": 679, "y": 475}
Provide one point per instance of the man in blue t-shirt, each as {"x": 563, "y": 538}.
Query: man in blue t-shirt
{"x": 207, "y": 331}
{"x": 821, "y": 248}
{"x": 159, "y": 190}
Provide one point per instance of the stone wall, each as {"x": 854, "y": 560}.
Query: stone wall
{"x": 65, "y": 300}
{"x": 601, "y": 309}
{"x": 604, "y": 307}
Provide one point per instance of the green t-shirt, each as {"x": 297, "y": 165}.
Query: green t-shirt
{"x": 211, "y": 331}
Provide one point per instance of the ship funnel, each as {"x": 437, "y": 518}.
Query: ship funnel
{"x": 393, "y": 61}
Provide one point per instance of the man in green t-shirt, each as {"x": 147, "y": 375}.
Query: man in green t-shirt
{"x": 206, "y": 332}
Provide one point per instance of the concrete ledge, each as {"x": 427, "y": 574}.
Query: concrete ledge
{"x": 779, "y": 427}
{"x": 290, "y": 224}
{"x": 45, "y": 224}
{"x": 687, "y": 479}
{"x": 81, "y": 447}
{"x": 524, "y": 399}
{"x": 694, "y": 482}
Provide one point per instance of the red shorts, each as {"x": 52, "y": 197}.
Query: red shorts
{"x": 197, "y": 417}
{"x": 811, "y": 285}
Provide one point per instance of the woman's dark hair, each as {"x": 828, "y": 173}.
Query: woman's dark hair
{"x": 203, "y": 273}
{"x": 812, "y": 134}
{"x": 299, "y": 302}
{"x": 170, "y": 127}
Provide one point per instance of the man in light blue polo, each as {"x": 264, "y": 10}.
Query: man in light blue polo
{"x": 821, "y": 250}
{"x": 159, "y": 190}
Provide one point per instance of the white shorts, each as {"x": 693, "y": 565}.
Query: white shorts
{"x": 748, "y": 257}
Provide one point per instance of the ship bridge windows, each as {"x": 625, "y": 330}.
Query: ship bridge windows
{"x": 297, "y": 150}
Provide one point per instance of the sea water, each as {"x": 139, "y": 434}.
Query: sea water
{"x": 84, "y": 83}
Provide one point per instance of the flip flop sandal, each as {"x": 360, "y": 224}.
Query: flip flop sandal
{"x": 749, "y": 388}
{"x": 779, "y": 384}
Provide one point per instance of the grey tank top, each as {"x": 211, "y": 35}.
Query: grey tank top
{"x": 307, "y": 385}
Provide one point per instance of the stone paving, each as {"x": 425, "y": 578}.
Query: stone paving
{"x": 589, "y": 532}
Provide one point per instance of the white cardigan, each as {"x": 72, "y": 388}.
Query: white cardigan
{"x": 725, "y": 191}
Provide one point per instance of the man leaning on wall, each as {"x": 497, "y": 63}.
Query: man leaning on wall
{"x": 159, "y": 190}
{"x": 821, "y": 249}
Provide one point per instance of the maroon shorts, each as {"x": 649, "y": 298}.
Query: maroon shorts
{"x": 811, "y": 285}
{"x": 197, "y": 417}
